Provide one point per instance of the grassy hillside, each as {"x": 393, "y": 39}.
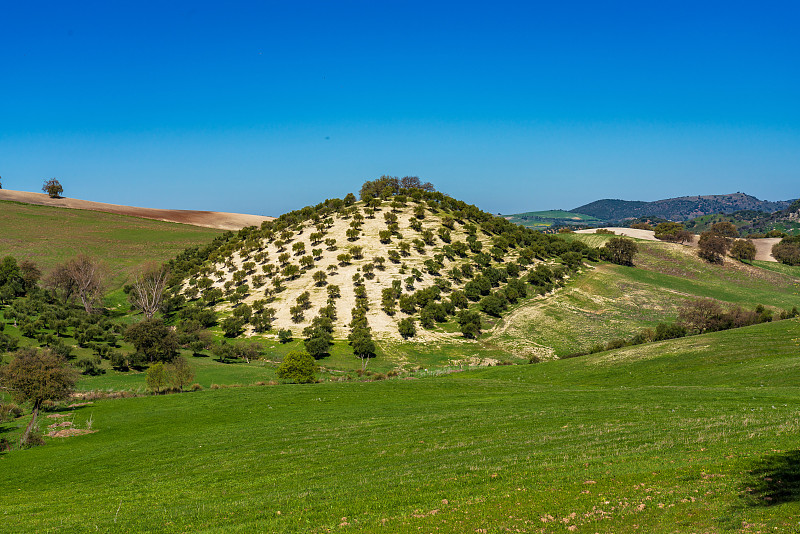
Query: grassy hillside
{"x": 610, "y": 301}
{"x": 47, "y": 236}
{"x": 690, "y": 435}
{"x": 545, "y": 219}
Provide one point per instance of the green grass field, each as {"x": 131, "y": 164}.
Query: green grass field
{"x": 610, "y": 301}
{"x": 48, "y": 236}
{"x": 691, "y": 435}
{"x": 534, "y": 219}
{"x": 789, "y": 270}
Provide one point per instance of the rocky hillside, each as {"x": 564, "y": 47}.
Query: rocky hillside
{"x": 678, "y": 209}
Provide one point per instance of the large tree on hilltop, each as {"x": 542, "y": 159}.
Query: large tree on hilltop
{"x": 53, "y": 188}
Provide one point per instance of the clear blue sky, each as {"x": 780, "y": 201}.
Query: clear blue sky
{"x": 264, "y": 107}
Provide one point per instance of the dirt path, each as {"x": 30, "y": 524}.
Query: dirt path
{"x": 207, "y": 219}
{"x": 763, "y": 246}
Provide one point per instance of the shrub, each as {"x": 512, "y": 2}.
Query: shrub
{"x": 90, "y": 366}
{"x": 154, "y": 341}
{"x": 317, "y": 347}
{"x": 156, "y": 377}
{"x": 787, "y": 251}
{"x": 493, "y": 304}
{"x": 232, "y": 326}
{"x": 672, "y": 232}
{"x": 9, "y": 410}
{"x": 470, "y": 323}
{"x": 620, "y": 250}
{"x": 669, "y": 331}
{"x": 743, "y": 250}
{"x": 298, "y": 367}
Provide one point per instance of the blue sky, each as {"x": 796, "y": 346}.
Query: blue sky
{"x": 264, "y": 107}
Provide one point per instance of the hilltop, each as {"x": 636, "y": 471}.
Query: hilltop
{"x": 423, "y": 257}
{"x": 208, "y": 219}
{"x": 409, "y": 255}
{"x": 677, "y": 209}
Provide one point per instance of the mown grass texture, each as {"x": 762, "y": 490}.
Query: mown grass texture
{"x": 658, "y": 438}
{"x": 48, "y": 236}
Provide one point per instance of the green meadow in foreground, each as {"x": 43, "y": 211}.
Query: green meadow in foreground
{"x": 691, "y": 435}
{"x": 48, "y": 236}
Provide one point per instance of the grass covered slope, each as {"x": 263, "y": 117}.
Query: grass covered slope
{"x": 665, "y": 440}
{"x": 48, "y": 236}
{"x": 611, "y": 301}
{"x": 545, "y": 219}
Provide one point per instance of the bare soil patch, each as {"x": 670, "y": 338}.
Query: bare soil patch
{"x": 69, "y": 432}
{"x": 763, "y": 246}
{"x": 207, "y": 219}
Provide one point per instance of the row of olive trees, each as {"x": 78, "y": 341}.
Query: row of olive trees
{"x": 718, "y": 241}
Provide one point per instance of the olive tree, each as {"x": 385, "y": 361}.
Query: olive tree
{"x": 620, "y": 250}
{"x": 743, "y": 250}
{"x": 153, "y": 340}
{"x": 37, "y": 376}
{"x": 298, "y": 367}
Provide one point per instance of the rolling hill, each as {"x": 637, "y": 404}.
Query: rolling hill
{"x": 208, "y": 219}
{"x": 677, "y": 209}
{"x": 750, "y": 222}
{"x": 427, "y": 254}
{"x": 611, "y": 301}
{"x": 542, "y": 220}
{"x": 689, "y": 435}
{"x": 50, "y": 235}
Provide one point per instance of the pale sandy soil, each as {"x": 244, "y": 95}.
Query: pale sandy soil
{"x": 647, "y": 235}
{"x": 208, "y": 219}
{"x": 383, "y": 325}
{"x": 763, "y": 246}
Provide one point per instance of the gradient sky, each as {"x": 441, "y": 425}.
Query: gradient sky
{"x": 265, "y": 107}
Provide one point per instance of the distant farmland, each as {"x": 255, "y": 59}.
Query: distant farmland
{"x": 546, "y": 219}
{"x": 48, "y": 236}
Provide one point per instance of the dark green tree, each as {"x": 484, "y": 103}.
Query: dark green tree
{"x": 620, "y": 250}
{"x": 153, "y": 340}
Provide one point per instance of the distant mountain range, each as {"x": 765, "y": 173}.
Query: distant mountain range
{"x": 677, "y": 209}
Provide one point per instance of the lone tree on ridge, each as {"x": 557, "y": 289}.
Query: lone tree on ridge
{"x": 53, "y": 188}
